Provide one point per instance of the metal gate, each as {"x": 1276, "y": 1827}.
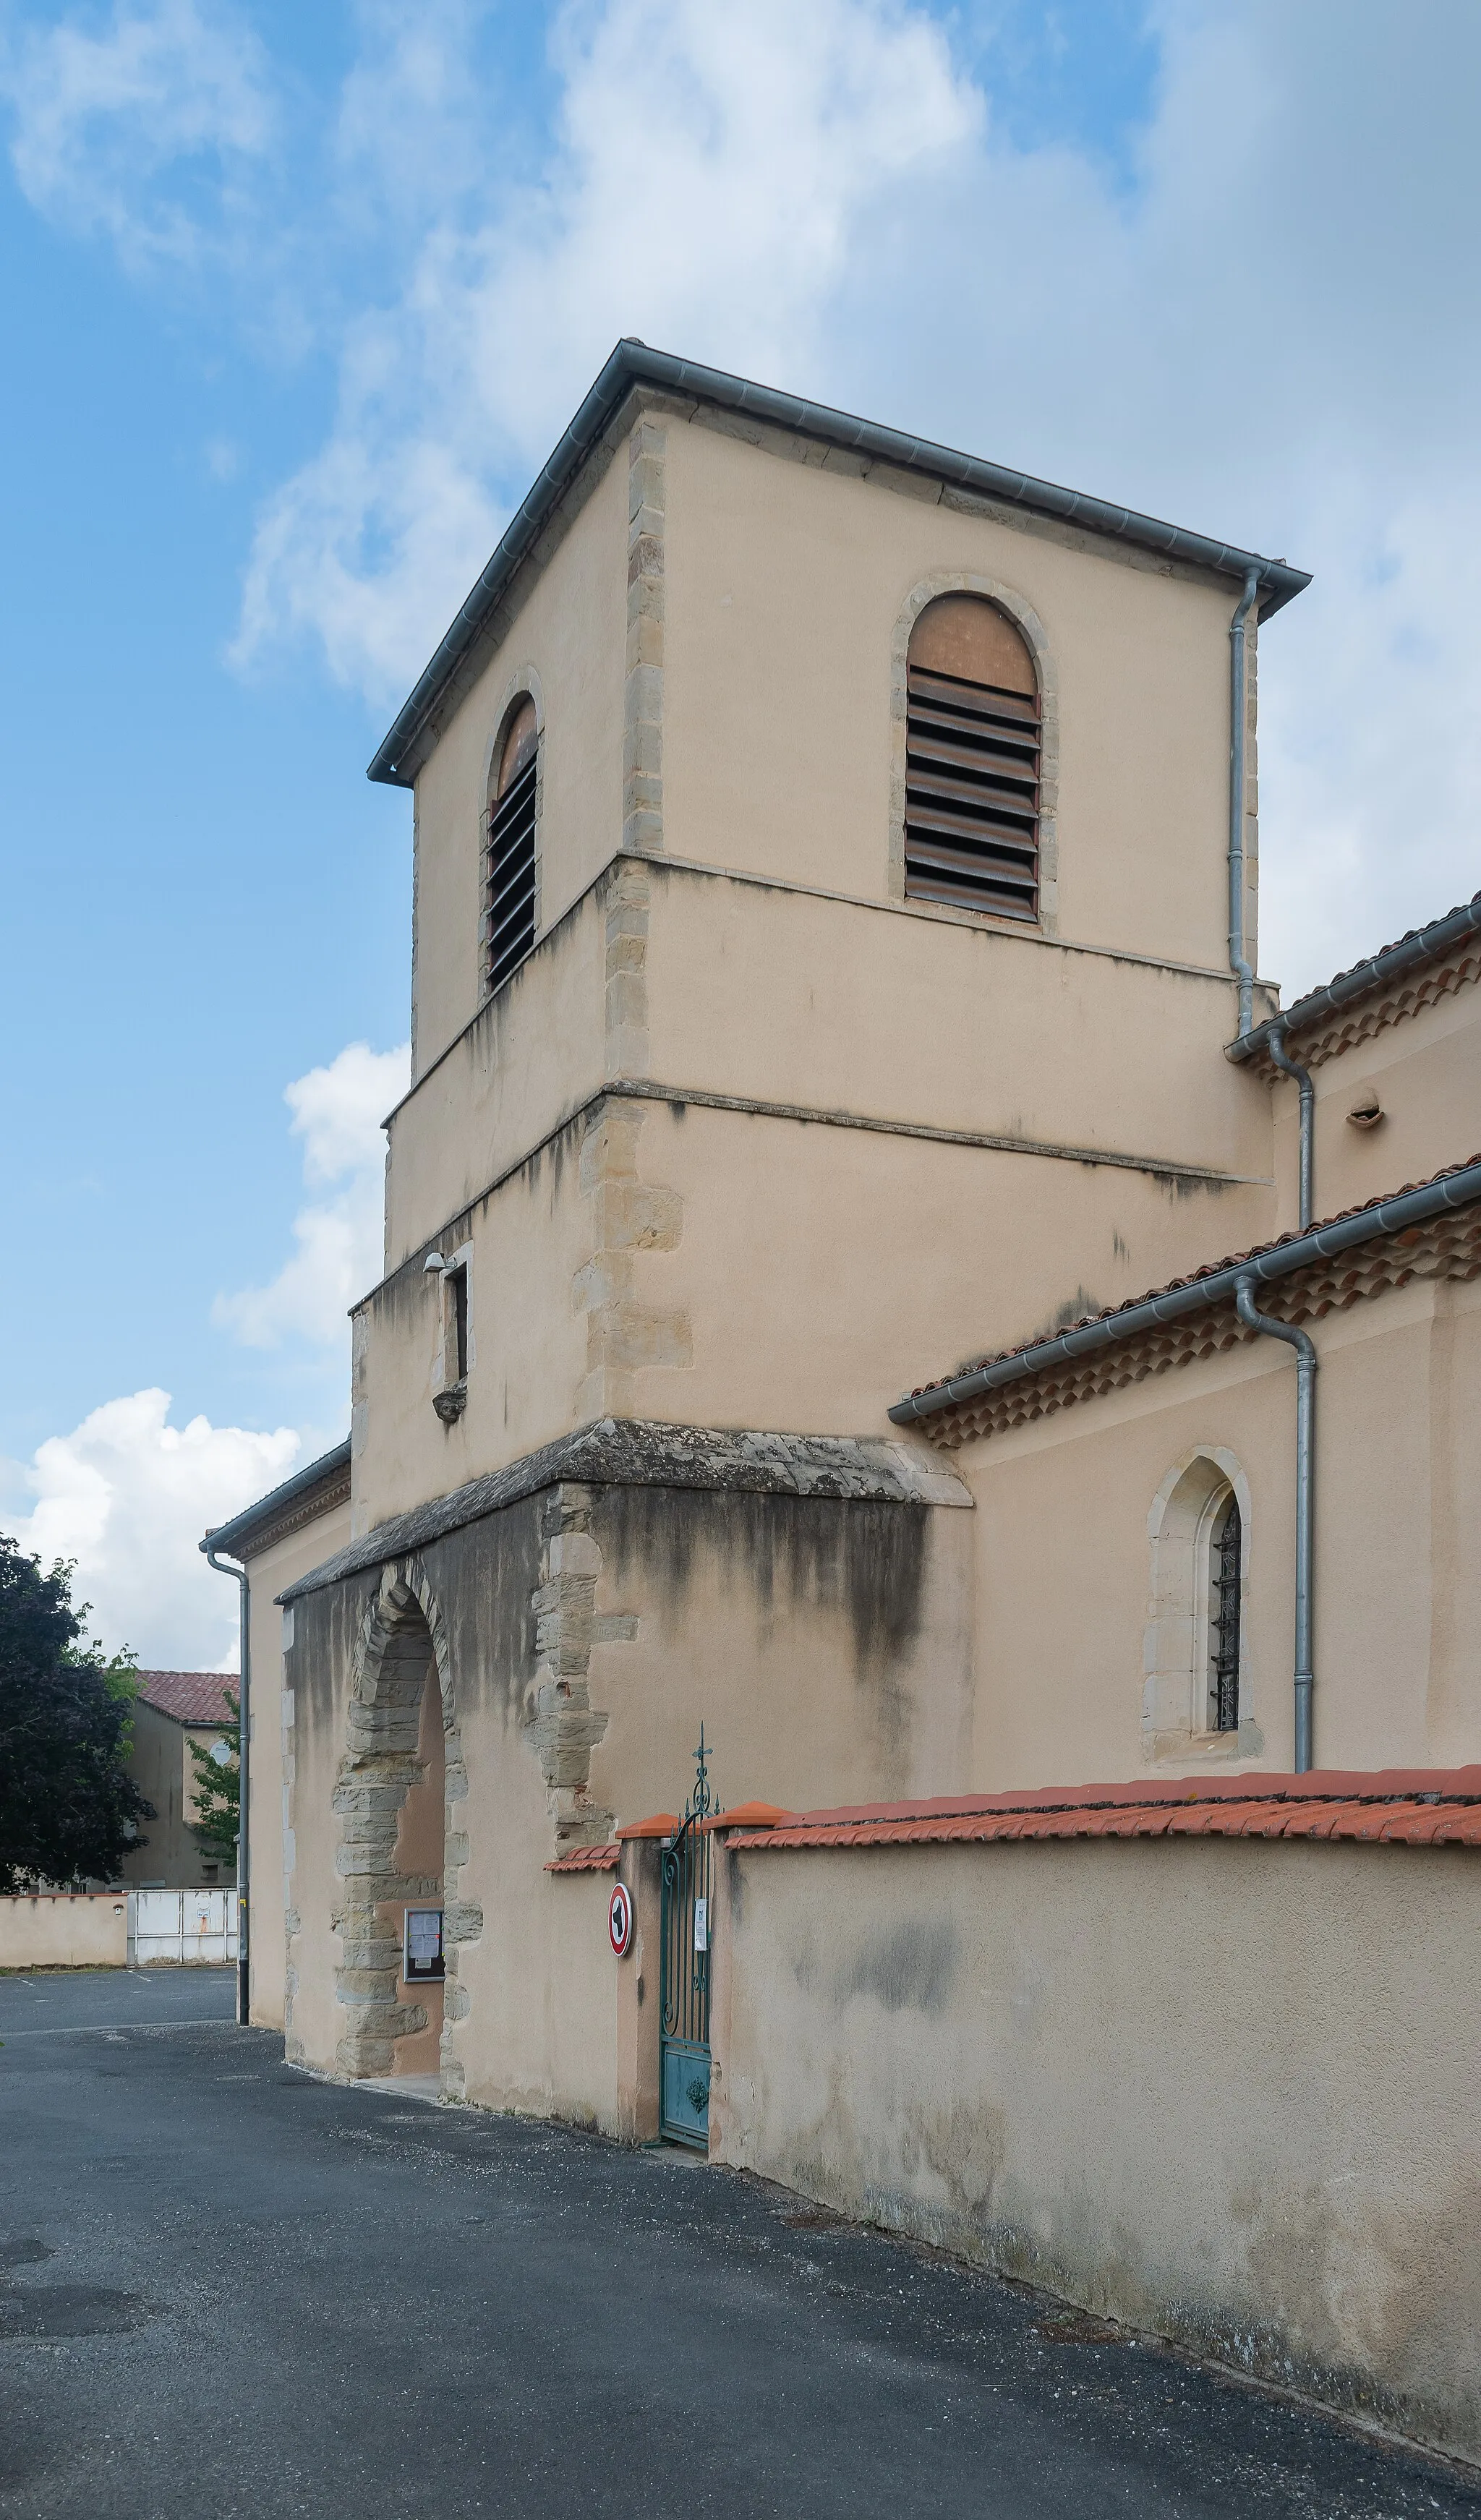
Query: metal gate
{"x": 684, "y": 2034}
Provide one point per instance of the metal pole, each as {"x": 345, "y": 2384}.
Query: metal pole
{"x": 1306, "y": 1398}
{"x": 1280, "y": 1058}
{"x": 243, "y": 1753}
{"x": 1238, "y": 712}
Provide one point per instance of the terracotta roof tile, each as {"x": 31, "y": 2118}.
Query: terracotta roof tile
{"x": 1412, "y": 1807}
{"x": 588, "y": 1859}
{"x": 190, "y": 1696}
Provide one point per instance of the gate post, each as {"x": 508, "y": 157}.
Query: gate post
{"x": 638, "y": 1982}
{"x": 722, "y": 1979}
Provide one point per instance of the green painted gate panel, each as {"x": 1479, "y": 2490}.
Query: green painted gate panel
{"x": 683, "y": 2068}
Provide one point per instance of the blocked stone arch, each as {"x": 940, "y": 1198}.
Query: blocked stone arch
{"x": 1175, "y": 1660}
{"x": 955, "y": 581}
{"x": 401, "y": 1650}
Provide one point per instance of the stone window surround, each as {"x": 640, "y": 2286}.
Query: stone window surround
{"x": 1179, "y": 1527}
{"x": 1024, "y": 618}
{"x": 444, "y": 1368}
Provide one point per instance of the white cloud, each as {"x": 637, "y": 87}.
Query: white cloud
{"x": 1268, "y": 330}
{"x": 766, "y": 132}
{"x": 338, "y": 1112}
{"x": 1259, "y": 336}
{"x": 100, "y": 118}
{"x": 129, "y": 1496}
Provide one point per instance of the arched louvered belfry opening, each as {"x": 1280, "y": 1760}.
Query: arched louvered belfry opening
{"x": 972, "y": 767}
{"x": 509, "y": 870}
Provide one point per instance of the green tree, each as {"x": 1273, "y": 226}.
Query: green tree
{"x": 218, "y": 1794}
{"x": 69, "y": 1811}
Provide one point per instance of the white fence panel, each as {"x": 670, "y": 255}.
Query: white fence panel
{"x": 181, "y": 1925}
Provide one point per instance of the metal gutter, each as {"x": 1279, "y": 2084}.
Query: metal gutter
{"x": 1238, "y": 712}
{"x": 1222, "y": 1285}
{"x": 1426, "y": 945}
{"x": 228, "y": 1535}
{"x": 1306, "y": 1095}
{"x": 1306, "y": 1503}
{"x": 633, "y": 363}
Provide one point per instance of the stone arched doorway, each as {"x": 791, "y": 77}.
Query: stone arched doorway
{"x": 400, "y": 1774}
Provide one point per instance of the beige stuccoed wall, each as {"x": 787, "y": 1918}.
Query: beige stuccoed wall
{"x": 532, "y": 1058}
{"x": 1146, "y": 2075}
{"x": 785, "y": 582}
{"x": 825, "y": 1647}
{"x": 1426, "y": 1071}
{"x": 722, "y": 1268}
{"x": 268, "y": 1572}
{"x": 616, "y": 1250}
{"x": 567, "y": 642}
{"x": 64, "y": 1929}
{"x": 1064, "y": 1556}
{"x": 630, "y": 1265}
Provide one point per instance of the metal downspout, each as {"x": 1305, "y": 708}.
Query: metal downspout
{"x": 244, "y": 1738}
{"x": 1280, "y": 1058}
{"x": 1306, "y": 1396}
{"x": 1238, "y": 712}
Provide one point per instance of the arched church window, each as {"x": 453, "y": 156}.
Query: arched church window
{"x": 1224, "y": 1554}
{"x": 972, "y": 760}
{"x": 508, "y": 919}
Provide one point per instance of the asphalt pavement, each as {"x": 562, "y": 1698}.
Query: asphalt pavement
{"x": 229, "y": 2291}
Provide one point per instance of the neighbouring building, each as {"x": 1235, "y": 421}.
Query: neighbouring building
{"x": 861, "y": 1244}
{"x": 172, "y": 1710}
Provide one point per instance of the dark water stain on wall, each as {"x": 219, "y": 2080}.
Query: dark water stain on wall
{"x": 483, "y": 1578}
{"x": 908, "y": 1966}
{"x": 319, "y": 1663}
{"x": 860, "y": 1556}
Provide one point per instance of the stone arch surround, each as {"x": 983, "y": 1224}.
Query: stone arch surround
{"x": 402, "y": 1644}
{"x": 1176, "y": 1640}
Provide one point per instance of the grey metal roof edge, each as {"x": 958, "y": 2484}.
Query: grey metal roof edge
{"x": 1426, "y": 945}
{"x": 633, "y": 363}
{"x": 1197, "y": 1294}
{"x": 615, "y": 1452}
{"x": 329, "y": 1467}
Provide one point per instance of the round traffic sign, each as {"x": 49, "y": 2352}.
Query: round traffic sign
{"x": 619, "y": 1921}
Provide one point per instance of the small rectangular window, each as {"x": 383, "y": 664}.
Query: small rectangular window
{"x": 457, "y": 1324}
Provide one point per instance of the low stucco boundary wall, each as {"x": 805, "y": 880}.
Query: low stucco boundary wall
{"x": 1229, "y": 2090}
{"x": 64, "y": 1929}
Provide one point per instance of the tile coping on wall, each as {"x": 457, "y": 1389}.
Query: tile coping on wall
{"x": 1407, "y": 1806}
{"x": 1393, "y": 1806}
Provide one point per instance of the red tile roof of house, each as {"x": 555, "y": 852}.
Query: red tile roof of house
{"x": 190, "y": 1696}
{"x": 1407, "y": 1806}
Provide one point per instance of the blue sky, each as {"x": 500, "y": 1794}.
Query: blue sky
{"x": 295, "y": 303}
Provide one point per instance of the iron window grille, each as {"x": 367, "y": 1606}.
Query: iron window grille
{"x": 1225, "y": 1551}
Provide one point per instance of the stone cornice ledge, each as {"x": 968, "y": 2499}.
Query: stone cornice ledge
{"x": 626, "y": 1452}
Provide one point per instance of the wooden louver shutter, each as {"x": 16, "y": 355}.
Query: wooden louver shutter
{"x": 510, "y": 888}
{"x": 972, "y": 761}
